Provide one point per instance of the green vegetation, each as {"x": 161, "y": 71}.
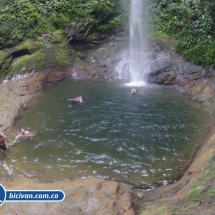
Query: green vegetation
{"x": 164, "y": 40}
{"x": 191, "y": 23}
{"x": 63, "y": 54}
{"x": 33, "y": 59}
{"x": 204, "y": 187}
{"x": 21, "y": 19}
{"x": 23, "y": 22}
{"x": 187, "y": 26}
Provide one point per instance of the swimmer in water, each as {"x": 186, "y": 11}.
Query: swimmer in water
{"x": 77, "y": 99}
{"x": 23, "y": 133}
{"x": 133, "y": 91}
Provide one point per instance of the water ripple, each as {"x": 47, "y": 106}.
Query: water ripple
{"x": 141, "y": 139}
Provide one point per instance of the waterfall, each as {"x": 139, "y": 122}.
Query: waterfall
{"x": 136, "y": 64}
{"x": 136, "y": 41}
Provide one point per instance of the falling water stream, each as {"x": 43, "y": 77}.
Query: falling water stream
{"x": 135, "y": 65}
{"x": 143, "y": 139}
{"x": 137, "y": 42}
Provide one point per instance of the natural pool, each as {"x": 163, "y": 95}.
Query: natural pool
{"x": 143, "y": 139}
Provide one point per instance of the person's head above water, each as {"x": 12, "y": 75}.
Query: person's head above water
{"x": 22, "y": 130}
{"x": 133, "y": 91}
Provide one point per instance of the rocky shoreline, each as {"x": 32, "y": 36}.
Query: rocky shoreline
{"x": 93, "y": 195}
{"x": 82, "y": 196}
{"x": 99, "y": 196}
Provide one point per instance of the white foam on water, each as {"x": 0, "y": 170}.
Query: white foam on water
{"x": 136, "y": 84}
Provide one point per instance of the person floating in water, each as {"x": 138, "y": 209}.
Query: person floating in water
{"x": 23, "y": 133}
{"x": 133, "y": 91}
{"x": 2, "y": 141}
{"x": 111, "y": 79}
{"x": 77, "y": 99}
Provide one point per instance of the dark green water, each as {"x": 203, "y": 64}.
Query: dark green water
{"x": 143, "y": 139}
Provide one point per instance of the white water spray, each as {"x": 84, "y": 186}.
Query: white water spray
{"x": 136, "y": 41}
{"x": 138, "y": 47}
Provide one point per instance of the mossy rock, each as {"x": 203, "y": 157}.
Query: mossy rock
{"x": 3, "y": 56}
{"x": 63, "y": 55}
{"x": 28, "y": 63}
{"x": 23, "y": 58}
{"x": 32, "y": 45}
{"x": 5, "y": 62}
{"x": 56, "y": 37}
{"x": 34, "y": 55}
{"x": 203, "y": 188}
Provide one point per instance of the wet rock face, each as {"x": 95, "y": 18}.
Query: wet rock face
{"x": 167, "y": 64}
{"x": 103, "y": 197}
{"x": 188, "y": 78}
{"x": 77, "y": 31}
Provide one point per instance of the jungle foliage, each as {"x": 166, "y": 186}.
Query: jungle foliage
{"x": 191, "y": 23}
{"x": 21, "y": 19}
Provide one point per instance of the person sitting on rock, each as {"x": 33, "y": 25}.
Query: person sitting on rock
{"x": 2, "y": 141}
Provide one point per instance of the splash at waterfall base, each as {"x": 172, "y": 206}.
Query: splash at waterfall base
{"x": 194, "y": 193}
